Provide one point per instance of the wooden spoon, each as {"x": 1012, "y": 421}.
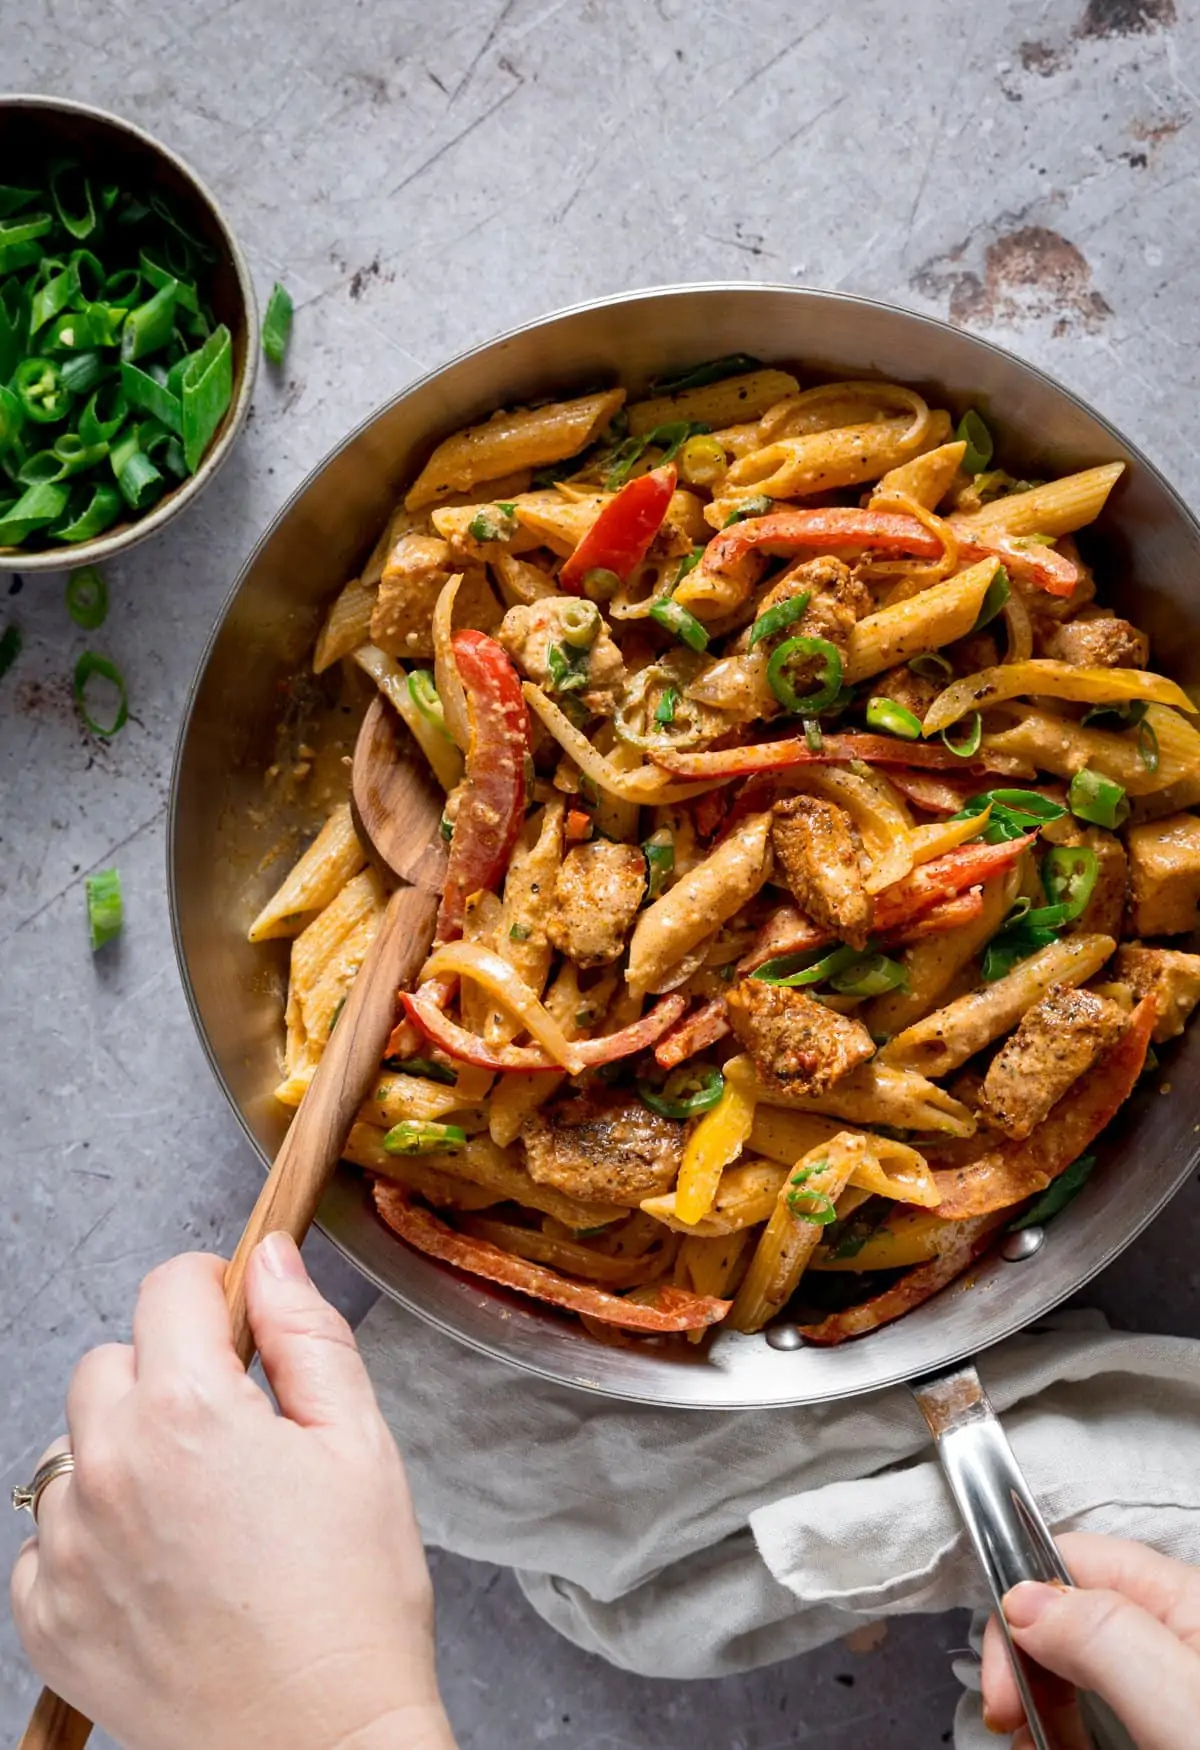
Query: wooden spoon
{"x": 397, "y": 809}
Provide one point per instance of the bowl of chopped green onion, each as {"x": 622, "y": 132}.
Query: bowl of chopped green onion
{"x": 128, "y": 335}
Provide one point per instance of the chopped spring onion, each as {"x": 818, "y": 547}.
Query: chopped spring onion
{"x": 1147, "y": 746}
{"x": 809, "y": 967}
{"x": 932, "y": 666}
{"x": 978, "y": 439}
{"x": 10, "y": 648}
{"x": 814, "y": 740}
{"x": 872, "y": 977}
{"x": 686, "y": 1092}
{"x": 519, "y": 933}
{"x": 733, "y": 364}
{"x": 446, "y": 828}
{"x": 968, "y": 747}
{"x": 414, "y": 1137}
{"x": 759, "y": 505}
{"x": 895, "y": 719}
{"x": 829, "y": 675}
{"x": 676, "y": 619}
{"x": 87, "y": 598}
{"x": 778, "y": 618}
{"x": 688, "y": 563}
{"x": 93, "y": 666}
{"x": 277, "y": 324}
{"x": 1057, "y": 1195}
{"x": 148, "y": 328}
{"x": 424, "y": 696}
{"x": 106, "y": 913}
{"x": 1014, "y": 813}
{"x": 1117, "y": 717}
{"x": 1098, "y": 799}
{"x": 659, "y": 853}
{"x": 579, "y": 622}
{"x": 814, "y": 1206}
{"x": 998, "y": 592}
{"x": 567, "y": 670}
{"x": 664, "y": 711}
{"x": 482, "y": 527}
{"x": 669, "y": 439}
{"x": 421, "y": 1066}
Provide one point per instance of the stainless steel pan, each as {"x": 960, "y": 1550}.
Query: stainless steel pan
{"x": 251, "y": 702}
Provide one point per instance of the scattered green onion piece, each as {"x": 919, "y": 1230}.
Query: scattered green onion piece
{"x": 778, "y": 618}
{"x": 424, "y": 695}
{"x": 932, "y": 666}
{"x": 895, "y": 719}
{"x": 99, "y": 513}
{"x": 123, "y": 291}
{"x": 519, "y": 933}
{"x": 87, "y": 598}
{"x": 664, "y": 711}
{"x": 659, "y": 853}
{"x": 579, "y": 622}
{"x": 12, "y": 419}
{"x": 733, "y": 364}
{"x": 1057, "y": 1195}
{"x": 105, "y": 909}
{"x": 71, "y": 192}
{"x": 998, "y": 592}
{"x": 25, "y": 230}
{"x": 830, "y": 675}
{"x": 277, "y": 324}
{"x": 149, "y": 395}
{"x": 978, "y": 439}
{"x": 810, "y": 967}
{"x": 568, "y": 673}
{"x": 422, "y": 1066}
{"x": 1147, "y": 746}
{"x": 207, "y": 390}
{"x": 676, "y": 619}
{"x": 968, "y": 748}
{"x": 104, "y": 414}
{"x": 667, "y": 438}
{"x": 688, "y": 563}
{"x": 90, "y": 665}
{"x": 813, "y": 738}
{"x": 686, "y": 1092}
{"x": 600, "y": 584}
{"x": 814, "y": 1206}
{"x": 482, "y": 528}
{"x": 1012, "y": 945}
{"x": 140, "y": 482}
{"x": 38, "y": 386}
{"x": 1098, "y": 799}
{"x": 759, "y": 505}
{"x": 82, "y": 372}
{"x": 148, "y": 328}
{"x": 412, "y": 1137}
{"x": 52, "y": 298}
{"x": 37, "y": 506}
{"x": 10, "y": 647}
{"x": 83, "y": 330}
{"x": 12, "y": 199}
{"x": 872, "y": 977}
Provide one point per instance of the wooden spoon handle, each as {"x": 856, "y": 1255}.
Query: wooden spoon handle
{"x": 303, "y": 1167}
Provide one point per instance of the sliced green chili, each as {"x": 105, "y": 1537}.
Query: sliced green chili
{"x": 778, "y": 618}
{"x": 969, "y": 746}
{"x": 277, "y": 324}
{"x": 412, "y": 1137}
{"x": 676, "y": 619}
{"x": 1098, "y": 799}
{"x": 686, "y": 1092}
{"x": 894, "y": 719}
{"x": 829, "y": 674}
{"x": 1069, "y": 874}
{"x": 87, "y": 598}
{"x": 90, "y": 666}
{"x": 38, "y": 386}
{"x": 105, "y": 908}
{"x": 978, "y": 439}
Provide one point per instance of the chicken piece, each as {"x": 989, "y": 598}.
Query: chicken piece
{"x": 603, "y": 1146}
{"x": 591, "y": 670}
{"x": 597, "y": 892}
{"x": 1102, "y": 641}
{"x": 417, "y": 570}
{"x": 815, "y": 845}
{"x": 1164, "y": 875}
{"x": 1058, "y": 1039}
{"x": 837, "y": 600}
{"x": 970, "y": 654}
{"x": 1171, "y": 978}
{"x": 915, "y": 692}
{"x": 798, "y": 1045}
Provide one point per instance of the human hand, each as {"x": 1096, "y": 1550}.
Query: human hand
{"x": 1129, "y": 1631}
{"x": 212, "y": 1573}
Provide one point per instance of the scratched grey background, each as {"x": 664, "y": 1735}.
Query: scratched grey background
{"x": 422, "y": 176}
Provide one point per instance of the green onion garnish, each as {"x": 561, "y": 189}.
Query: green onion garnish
{"x": 778, "y": 618}
{"x": 686, "y": 1092}
{"x": 89, "y": 667}
{"x": 659, "y": 853}
{"x": 759, "y": 505}
{"x": 424, "y": 696}
{"x": 733, "y": 364}
{"x": 413, "y": 1137}
{"x": 978, "y": 439}
{"x": 814, "y": 1206}
{"x": 148, "y": 328}
{"x": 206, "y": 389}
{"x": 794, "y": 971}
{"x": 519, "y": 933}
{"x": 1098, "y": 799}
{"x": 421, "y": 1066}
{"x": 1057, "y": 1195}
{"x": 664, "y": 711}
{"x": 567, "y": 669}
{"x": 872, "y": 977}
{"x": 813, "y": 738}
{"x": 829, "y": 675}
{"x": 87, "y": 598}
{"x": 969, "y": 746}
{"x": 932, "y": 666}
{"x": 1014, "y": 813}
{"x": 895, "y": 719}
{"x": 579, "y": 622}
{"x": 668, "y": 438}
{"x": 106, "y": 912}
{"x": 277, "y": 324}
{"x": 998, "y": 592}
{"x": 681, "y": 624}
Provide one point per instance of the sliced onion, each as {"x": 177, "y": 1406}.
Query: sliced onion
{"x": 647, "y": 785}
{"x": 1020, "y": 628}
{"x": 445, "y": 669}
{"x": 505, "y": 986}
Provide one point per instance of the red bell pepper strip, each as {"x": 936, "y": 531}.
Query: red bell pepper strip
{"x": 621, "y": 535}
{"x": 1013, "y": 1171}
{"x": 492, "y": 803}
{"x": 776, "y": 756}
{"x": 676, "y": 1309}
{"x": 785, "y": 532}
{"x": 918, "y": 1285}
{"x": 948, "y": 914}
{"x": 703, "y": 1027}
{"x": 468, "y": 1047}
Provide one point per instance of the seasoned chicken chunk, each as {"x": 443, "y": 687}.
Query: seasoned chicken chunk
{"x": 1164, "y": 875}
{"x": 418, "y": 568}
{"x": 836, "y": 600}
{"x": 603, "y": 1146}
{"x": 916, "y": 692}
{"x": 562, "y": 643}
{"x": 814, "y": 843}
{"x": 1058, "y": 1039}
{"x": 798, "y": 1045}
{"x": 597, "y": 892}
{"x": 1171, "y": 978}
{"x": 1100, "y": 642}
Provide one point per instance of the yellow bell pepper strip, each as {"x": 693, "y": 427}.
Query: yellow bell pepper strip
{"x": 717, "y": 1140}
{"x": 1052, "y": 680}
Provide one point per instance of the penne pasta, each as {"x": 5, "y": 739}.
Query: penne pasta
{"x": 886, "y": 1169}
{"x": 882, "y": 1092}
{"x": 939, "y": 615}
{"x": 1064, "y": 747}
{"x": 713, "y": 891}
{"x": 729, "y": 402}
{"x": 926, "y": 479}
{"x": 316, "y": 945}
{"x": 846, "y": 456}
{"x": 791, "y": 1236}
{"x": 530, "y": 437}
{"x": 347, "y": 625}
{"x": 1056, "y": 508}
{"x": 334, "y": 856}
{"x": 931, "y": 966}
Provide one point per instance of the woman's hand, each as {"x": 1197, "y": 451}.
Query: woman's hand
{"x": 212, "y": 1573}
{"x": 1130, "y": 1631}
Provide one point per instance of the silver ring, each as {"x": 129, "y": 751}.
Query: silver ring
{"x": 61, "y": 1465}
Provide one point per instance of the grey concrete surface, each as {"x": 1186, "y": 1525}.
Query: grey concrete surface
{"x": 422, "y": 175}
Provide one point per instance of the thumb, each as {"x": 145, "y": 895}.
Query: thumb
{"x": 1101, "y": 1641}
{"x": 307, "y": 1348}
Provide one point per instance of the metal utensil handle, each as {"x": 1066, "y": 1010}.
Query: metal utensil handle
{"x": 1007, "y": 1529}
{"x": 288, "y": 1200}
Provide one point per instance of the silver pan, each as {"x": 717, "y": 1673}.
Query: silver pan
{"x": 251, "y": 704}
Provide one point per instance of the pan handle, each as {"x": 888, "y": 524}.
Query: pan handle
{"x": 1013, "y": 1544}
